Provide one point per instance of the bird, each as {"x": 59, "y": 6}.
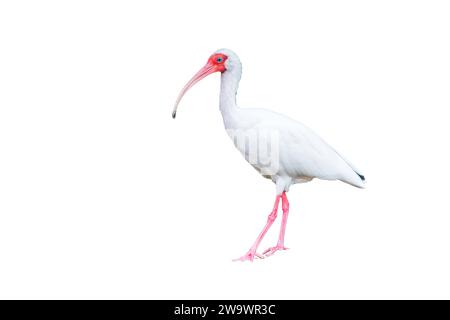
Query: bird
{"x": 280, "y": 148}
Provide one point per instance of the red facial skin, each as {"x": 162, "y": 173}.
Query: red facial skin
{"x": 218, "y": 60}
{"x": 216, "y": 63}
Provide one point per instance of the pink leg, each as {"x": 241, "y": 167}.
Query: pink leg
{"x": 280, "y": 243}
{"x": 250, "y": 255}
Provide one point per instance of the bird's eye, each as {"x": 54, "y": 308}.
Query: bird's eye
{"x": 219, "y": 59}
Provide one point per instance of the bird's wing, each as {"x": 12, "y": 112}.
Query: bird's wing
{"x": 357, "y": 171}
{"x": 304, "y": 154}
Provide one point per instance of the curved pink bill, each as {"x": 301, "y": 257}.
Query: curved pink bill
{"x": 206, "y": 70}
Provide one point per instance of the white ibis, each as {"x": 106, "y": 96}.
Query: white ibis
{"x": 280, "y": 148}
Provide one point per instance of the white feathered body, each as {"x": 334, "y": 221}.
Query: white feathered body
{"x": 301, "y": 154}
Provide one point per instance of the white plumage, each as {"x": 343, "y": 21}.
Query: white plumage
{"x": 282, "y": 149}
{"x": 303, "y": 154}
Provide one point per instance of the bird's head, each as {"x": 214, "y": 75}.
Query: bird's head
{"x": 222, "y": 60}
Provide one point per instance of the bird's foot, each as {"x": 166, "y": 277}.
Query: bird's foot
{"x": 249, "y": 256}
{"x": 272, "y": 250}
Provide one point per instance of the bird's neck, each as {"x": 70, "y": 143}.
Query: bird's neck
{"x": 228, "y": 90}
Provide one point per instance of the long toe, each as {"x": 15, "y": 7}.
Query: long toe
{"x": 272, "y": 250}
{"x": 249, "y": 256}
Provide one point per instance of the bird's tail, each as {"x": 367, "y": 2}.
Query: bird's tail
{"x": 359, "y": 179}
{"x": 363, "y": 180}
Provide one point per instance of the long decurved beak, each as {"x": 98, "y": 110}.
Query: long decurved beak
{"x": 205, "y": 71}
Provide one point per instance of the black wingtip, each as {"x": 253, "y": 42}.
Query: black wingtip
{"x": 361, "y": 176}
{"x": 174, "y": 114}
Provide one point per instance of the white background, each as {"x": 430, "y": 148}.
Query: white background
{"x": 104, "y": 195}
